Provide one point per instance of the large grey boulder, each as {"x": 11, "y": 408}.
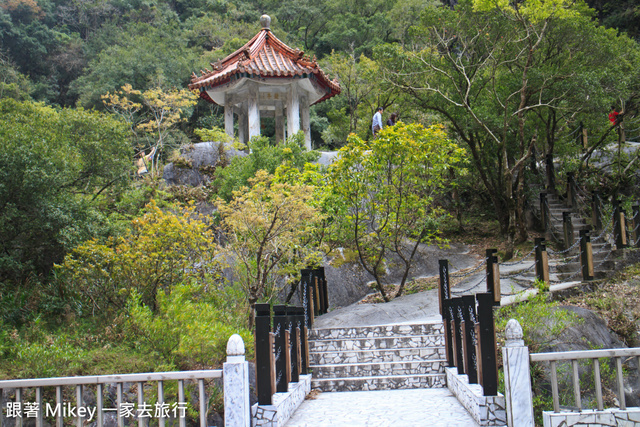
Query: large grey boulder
{"x": 586, "y": 331}
{"x": 198, "y": 162}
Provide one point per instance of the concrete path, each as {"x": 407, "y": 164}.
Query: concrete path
{"x": 403, "y": 408}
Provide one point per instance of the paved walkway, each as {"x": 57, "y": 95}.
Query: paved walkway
{"x": 403, "y": 408}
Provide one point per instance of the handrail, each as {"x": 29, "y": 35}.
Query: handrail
{"x": 109, "y": 379}
{"x": 585, "y": 354}
{"x": 594, "y": 356}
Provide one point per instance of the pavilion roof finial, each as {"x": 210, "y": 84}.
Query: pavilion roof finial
{"x": 265, "y": 21}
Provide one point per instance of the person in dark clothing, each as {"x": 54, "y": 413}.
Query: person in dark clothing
{"x": 393, "y": 119}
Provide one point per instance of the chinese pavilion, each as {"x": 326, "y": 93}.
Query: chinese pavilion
{"x": 266, "y": 78}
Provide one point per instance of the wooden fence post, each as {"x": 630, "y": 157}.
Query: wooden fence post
{"x": 619, "y": 228}
{"x": 493, "y": 275}
{"x": 264, "y": 350}
{"x": 586, "y": 255}
{"x": 542, "y": 260}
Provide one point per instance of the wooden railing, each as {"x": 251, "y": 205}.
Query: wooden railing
{"x": 594, "y": 356}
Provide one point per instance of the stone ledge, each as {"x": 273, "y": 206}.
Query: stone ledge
{"x": 284, "y": 405}
{"x": 485, "y": 410}
{"x": 609, "y": 417}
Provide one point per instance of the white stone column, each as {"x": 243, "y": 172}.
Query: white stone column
{"x": 242, "y": 123}
{"x": 293, "y": 110}
{"x": 306, "y": 122}
{"x": 279, "y": 122}
{"x": 253, "y": 113}
{"x": 237, "y": 412}
{"x": 228, "y": 116}
{"x": 517, "y": 378}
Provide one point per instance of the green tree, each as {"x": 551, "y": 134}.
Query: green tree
{"x": 508, "y": 79}
{"x": 159, "y": 251}
{"x": 266, "y": 225}
{"x": 54, "y": 164}
{"x": 264, "y": 156}
{"x": 386, "y": 191}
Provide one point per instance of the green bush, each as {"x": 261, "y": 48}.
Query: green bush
{"x": 191, "y": 326}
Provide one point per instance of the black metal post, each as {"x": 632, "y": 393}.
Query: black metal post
{"x": 306, "y": 287}
{"x": 571, "y": 190}
{"x": 551, "y": 179}
{"x": 299, "y": 316}
{"x": 280, "y": 325}
{"x": 325, "y": 292}
{"x": 456, "y": 305}
{"x": 636, "y": 225}
{"x": 444, "y": 295}
{"x": 544, "y": 214}
{"x": 493, "y": 275}
{"x": 293, "y": 338}
{"x": 596, "y": 212}
{"x": 264, "y": 370}
{"x": 487, "y": 344}
{"x": 469, "y": 315}
{"x": 567, "y": 228}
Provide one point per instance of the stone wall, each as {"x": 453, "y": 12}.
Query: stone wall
{"x": 486, "y": 410}
{"x": 592, "y": 418}
{"x": 284, "y": 405}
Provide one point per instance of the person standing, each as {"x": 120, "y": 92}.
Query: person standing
{"x": 393, "y": 119}
{"x": 376, "y": 123}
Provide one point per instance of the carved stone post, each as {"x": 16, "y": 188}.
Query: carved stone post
{"x": 517, "y": 378}
{"x": 237, "y": 411}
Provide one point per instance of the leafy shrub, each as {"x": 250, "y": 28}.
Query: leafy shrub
{"x": 160, "y": 250}
{"x": 263, "y": 156}
{"x": 191, "y": 326}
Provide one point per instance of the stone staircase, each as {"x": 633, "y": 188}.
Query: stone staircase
{"x": 383, "y": 357}
{"x": 601, "y": 248}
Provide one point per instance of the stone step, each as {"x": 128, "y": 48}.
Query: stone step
{"x": 376, "y": 343}
{"x": 377, "y": 356}
{"x": 572, "y": 267}
{"x": 427, "y": 328}
{"x": 387, "y": 382}
{"x": 353, "y": 370}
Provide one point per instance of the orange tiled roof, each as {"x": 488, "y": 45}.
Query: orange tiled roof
{"x": 264, "y": 56}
